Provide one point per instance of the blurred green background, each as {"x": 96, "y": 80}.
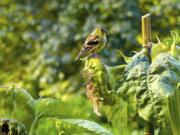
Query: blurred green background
{"x": 39, "y": 40}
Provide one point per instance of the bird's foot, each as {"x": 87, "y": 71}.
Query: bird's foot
{"x": 94, "y": 55}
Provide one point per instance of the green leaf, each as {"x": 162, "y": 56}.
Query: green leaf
{"x": 129, "y": 84}
{"x": 163, "y": 78}
{"x": 46, "y": 126}
{"x": 113, "y": 74}
{"x": 49, "y": 107}
{"x": 147, "y": 88}
{"x": 127, "y": 59}
{"x": 80, "y": 127}
{"x": 117, "y": 115}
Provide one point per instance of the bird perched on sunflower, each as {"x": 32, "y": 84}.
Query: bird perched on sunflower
{"x": 94, "y": 43}
{"x": 95, "y": 72}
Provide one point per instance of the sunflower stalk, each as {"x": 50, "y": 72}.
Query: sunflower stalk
{"x": 146, "y": 35}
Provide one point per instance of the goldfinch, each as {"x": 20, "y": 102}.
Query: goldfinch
{"x": 94, "y": 43}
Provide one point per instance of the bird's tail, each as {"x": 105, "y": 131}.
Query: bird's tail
{"x": 77, "y": 58}
{"x": 81, "y": 53}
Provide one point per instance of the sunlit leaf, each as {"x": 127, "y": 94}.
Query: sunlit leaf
{"x": 81, "y": 127}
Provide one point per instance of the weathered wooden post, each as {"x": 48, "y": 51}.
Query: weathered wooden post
{"x": 146, "y": 34}
{"x": 146, "y": 29}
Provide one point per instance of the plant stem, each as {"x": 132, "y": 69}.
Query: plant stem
{"x": 33, "y": 125}
{"x": 146, "y": 35}
{"x": 148, "y": 129}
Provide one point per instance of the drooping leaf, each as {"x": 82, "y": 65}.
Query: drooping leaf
{"x": 117, "y": 116}
{"x": 48, "y": 107}
{"x": 113, "y": 74}
{"x": 80, "y": 127}
{"x": 126, "y": 59}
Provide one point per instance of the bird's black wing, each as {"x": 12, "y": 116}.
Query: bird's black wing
{"x": 93, "y": 40}
{"x": 89, "y": 45}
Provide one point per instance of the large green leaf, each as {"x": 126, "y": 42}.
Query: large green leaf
{"x": 80, "y": 127}
{"x": 163, "y": 77}
{"x": 49, "y": 107}
{"x": 131, "y": 79}
{"x": 147, "y": 87}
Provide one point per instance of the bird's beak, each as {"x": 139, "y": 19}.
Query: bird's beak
{"x": 104, "y": 30}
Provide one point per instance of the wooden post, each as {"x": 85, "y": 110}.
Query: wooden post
{"x": 146, "y": 35}
{"x": 146, "y": 29}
